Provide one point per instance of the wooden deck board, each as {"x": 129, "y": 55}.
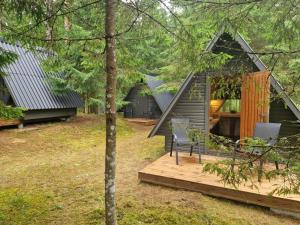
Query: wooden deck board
{"x": 9, "y": 122}
{"x": 188, "y": 175}
{"x": 142, "y": 121}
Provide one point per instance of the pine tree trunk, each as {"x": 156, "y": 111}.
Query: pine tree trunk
{"x": 49, "y": 28}
{"x": 1, "y": 20}
{"x": 67, "y": 23}
{"x": 110, "y": 112}
{"x": 86, "y": 105}
{"x": 67, "y": 20}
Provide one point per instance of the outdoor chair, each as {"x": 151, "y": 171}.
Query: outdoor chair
{"x": 180, "y": 137}
{"x": 268, "y": 132}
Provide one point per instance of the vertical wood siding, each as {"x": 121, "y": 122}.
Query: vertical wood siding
{"x": 255, "y": 95}
{"x": 192, "y": 105}
{"x": 280, "y": 113}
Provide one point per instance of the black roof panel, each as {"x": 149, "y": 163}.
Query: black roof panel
{"x": 163, "y": 99}
{"x": 28, "y": 83}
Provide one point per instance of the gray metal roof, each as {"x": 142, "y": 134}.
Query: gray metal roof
{"x": 27, "y": 82}
{"x": 163, "y": 99}
{"x": 172, "y": 104}
{"x": 256, "y": 60}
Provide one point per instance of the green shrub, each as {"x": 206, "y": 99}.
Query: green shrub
{"x": 9, "y": 112}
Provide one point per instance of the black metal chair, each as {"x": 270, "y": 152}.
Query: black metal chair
{"x": 268, "y": 132}
{"x": 180, "y": 137}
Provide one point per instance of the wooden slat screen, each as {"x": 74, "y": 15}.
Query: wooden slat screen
{"x": 255, "y": 96}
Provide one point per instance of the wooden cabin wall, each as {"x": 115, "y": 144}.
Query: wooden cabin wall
{"x": 254, "y": 102}
{"x": 149, "y": 106}
{"x": 280, "y": 113}
{"x": 192, "y": 104}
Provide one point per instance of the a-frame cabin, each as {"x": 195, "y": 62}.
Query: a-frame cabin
{"x": 27, "y": 85}
{"x": 254, "y": 102}
{"x": 147, "y": 106}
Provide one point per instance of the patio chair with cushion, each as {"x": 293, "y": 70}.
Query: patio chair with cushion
{"x": 180, "y": 137}
{"x": 268, "y": 132}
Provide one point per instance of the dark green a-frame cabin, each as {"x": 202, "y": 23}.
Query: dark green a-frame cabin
{"x": 143, "y": 105}
{"x": 26, "y": 85}
{"x": 194, "y": 98}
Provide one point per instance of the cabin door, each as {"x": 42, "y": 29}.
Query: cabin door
{"x": 255, "y": 96}
{"x": 142, "y": 106}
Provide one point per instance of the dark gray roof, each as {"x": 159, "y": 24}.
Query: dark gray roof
{"x": 172, "y": 104}
{"x": 27, "y": 82}
{"x": 163, "y": 99}
{"x": 256, "y": 60}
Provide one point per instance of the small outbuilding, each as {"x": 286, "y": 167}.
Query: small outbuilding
{"x": 26, "y": 85}
{"x": 145, "y": 100}
{"x": 259, "y": 97}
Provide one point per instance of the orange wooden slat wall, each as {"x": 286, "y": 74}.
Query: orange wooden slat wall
{"x": 255, "y": 97}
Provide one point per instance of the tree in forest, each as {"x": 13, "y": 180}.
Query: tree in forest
{"x": 110, "y": 112}
{"x": 48, "y": 23}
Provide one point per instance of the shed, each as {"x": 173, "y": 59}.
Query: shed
{"x": 147, "y": 105}
{"x": 26, "y": 85}
{"x": 194, "y": 99}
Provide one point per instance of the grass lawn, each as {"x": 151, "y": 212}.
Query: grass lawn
{"x": 54, "y": 174}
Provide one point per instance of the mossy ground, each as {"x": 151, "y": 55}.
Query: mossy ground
{"x": 54, "y": 174}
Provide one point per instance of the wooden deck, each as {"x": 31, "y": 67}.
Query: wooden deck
{"x": 188, "y": 175}
{"x": 142, "y": 121}
{"x": 9, "y": 122}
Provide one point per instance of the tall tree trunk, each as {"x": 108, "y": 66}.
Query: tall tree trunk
{"x": 86, "y": 104}
{"x": 49, "y": 28}
{"x": 67, "y": 20}
{"x": 110, "y": 112}
{"x": 67, "y": 23}
{"x": 1, "y": 20}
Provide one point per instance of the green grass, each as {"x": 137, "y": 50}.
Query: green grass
{"x": 132, "y": 212}
{"x": 17, "y": 207}
{"x": 54, "y": 174}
